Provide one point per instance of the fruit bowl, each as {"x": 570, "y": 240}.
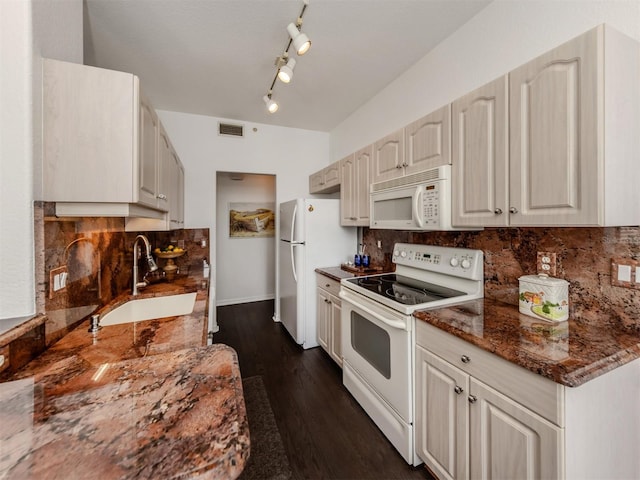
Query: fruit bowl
{"x": 170, "y": 254}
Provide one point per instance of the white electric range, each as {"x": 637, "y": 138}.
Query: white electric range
{"x": 377, "y": 329}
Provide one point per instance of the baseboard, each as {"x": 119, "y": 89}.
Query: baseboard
{"x": 235, "y": 301}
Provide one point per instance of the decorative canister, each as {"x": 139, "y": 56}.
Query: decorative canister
{"x": 544, "y": 297}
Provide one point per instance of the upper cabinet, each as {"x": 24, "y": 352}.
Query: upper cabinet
{"x": 480, "y": 169}
{"x": 354, "y": 192}
{"x": 572, "y": 151}
{"x": 388, "y": 157}
{"x": 427, "y": 142}
{"x": 105, "y": 152}
{"x": 326, "y": 180}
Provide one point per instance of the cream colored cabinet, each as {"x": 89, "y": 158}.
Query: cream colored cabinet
{"x": 572, "y": 151}
{"x": 442, "y": 416}
{"x": 480, "y": 146}
{"x": 427, "y": 142}
{"x": 468, "y": 429}
{"x": 328, "y": 311}
{"x": 388, "y": 157}
{"x": 326, "y": 180}
{"x": 101, "y": 144}
{"x": 354, "y": 191}
{"x": 478, "y": 416}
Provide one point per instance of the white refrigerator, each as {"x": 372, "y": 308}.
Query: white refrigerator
{"x": 310, "y": 237}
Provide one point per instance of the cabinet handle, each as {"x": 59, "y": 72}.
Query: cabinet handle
{"x": 353, "y": 218}
{"x": 472, "y": 399}
{"x": 327, "y": 285}
{"x": 162, "y": 196}
{"x": 398, "y": 166}
{"x": 327, "y": 301}
{"x": 458, "y": 389}
{"x": 498, "y": 211}
{"x": 465, "y": 359}
{"x": 513, "y": 210}
{"x": 405, "y": 164}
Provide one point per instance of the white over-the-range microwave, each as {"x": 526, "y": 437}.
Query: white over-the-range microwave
{"x": 421, "y": 201}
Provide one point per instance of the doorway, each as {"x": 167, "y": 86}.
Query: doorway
{"x": 245, "y": 240}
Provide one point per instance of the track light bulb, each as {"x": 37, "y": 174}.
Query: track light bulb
{"x": 301, "y": 42}
{"x": 272, "y": 106}
{"x": 285, "y": 74}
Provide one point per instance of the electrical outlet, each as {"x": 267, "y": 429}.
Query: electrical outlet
{"x": 547, "y": 263}
{"x": 57, "y": 280}
{"x": 625, "y": 272}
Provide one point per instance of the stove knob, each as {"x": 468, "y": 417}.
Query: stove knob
{"x": 403, "y": 254}
{"x": 396, "y": 253}
{"x": 453, "y": 262}
{"x": 466, "y": 263}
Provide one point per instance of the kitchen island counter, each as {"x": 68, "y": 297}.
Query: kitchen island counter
{"x": 136, "y": 400}
{"x": 570, "y": 353}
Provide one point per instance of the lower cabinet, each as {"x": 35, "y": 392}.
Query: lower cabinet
{"x": 329, "y": 309}
{"x": 465, "y": 429}
{"x": 478, "y": 416}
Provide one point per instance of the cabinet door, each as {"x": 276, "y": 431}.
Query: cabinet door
{"x": 323, "y": 317}
{"x": 428, "y": 141}
{"x": 348, "y": 215}
{"x": 480, "y": 157}
{"x": 510, "y": 441}
{"x": 362, "y": 182}
{"x": 316, "y": 181}
{"x": 148, "y": 155}
{"x": 166, "y": 173}
{"x": 388, "y": 157}
{"x": 336, "y": 334}
{"x": 555, "y": 104}
{"x": 332, "y": 175}
{"x": 442, "y": 409}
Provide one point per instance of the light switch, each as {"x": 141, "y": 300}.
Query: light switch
{"x": 624, "y": 273}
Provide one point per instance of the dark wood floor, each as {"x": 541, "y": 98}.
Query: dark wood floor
{"x": 325, "y": 432}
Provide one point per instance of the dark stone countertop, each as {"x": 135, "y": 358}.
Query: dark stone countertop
{"x": 570, "y": 353}
{"x": 136, "y": 400}
{"x": 338, "y": 273}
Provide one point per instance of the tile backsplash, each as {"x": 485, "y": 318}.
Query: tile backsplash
{"x": 583, "y": 259}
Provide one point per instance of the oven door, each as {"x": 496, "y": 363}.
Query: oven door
{"x": 376, "y": 344}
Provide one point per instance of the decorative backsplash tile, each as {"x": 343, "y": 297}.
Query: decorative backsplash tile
{"x": 583, "y": 259}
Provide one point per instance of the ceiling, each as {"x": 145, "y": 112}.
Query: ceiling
{"x": 216, "y": 57}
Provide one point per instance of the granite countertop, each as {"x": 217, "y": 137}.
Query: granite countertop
{"x": 570, "y": 353}
{"x": 136, "y": 400}
{"x": 337, "y": 273}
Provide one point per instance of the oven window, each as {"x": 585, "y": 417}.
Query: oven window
{"x": 372, "y": 343}
{"x": 393, "y": 209}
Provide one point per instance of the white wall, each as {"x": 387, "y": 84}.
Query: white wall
{"x": 288, "y": 153}
{"x": 506, "y": 34}
{"x": 245, "y": 266}
{"x": 28, "y": 30}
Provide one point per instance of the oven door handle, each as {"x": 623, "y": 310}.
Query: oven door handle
{"x": 416, "y": 206}
{"x": 391, "y": 323}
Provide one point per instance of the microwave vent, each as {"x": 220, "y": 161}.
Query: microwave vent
{"x": 230, "y": 130}
{"x": 422, "y": 177}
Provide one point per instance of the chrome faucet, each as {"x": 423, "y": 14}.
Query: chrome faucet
{"x": 150, "y": 262}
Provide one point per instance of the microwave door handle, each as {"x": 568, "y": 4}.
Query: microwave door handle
{"x": 416, "y": 206}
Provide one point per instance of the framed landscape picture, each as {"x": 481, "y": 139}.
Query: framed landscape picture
{"x": 251, "y": 220}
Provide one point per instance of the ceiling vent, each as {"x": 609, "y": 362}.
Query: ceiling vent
{"x": 230, "y": 130}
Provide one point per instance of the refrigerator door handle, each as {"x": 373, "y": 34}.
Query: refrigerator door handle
{"x": 293, "y": 262}
{"x": 293, "y": 222}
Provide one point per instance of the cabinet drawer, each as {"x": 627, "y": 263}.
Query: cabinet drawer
{"x": 535, "y": 392}
{"x": 329, "y": 284}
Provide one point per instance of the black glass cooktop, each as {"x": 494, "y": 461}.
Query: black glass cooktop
{"x": 405, "y": 290}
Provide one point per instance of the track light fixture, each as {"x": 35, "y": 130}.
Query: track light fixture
{"x": 272, "y": 106}
{"x": 301, "y": 42}
{"x": 285, "y": 74}
{"x": 283, "y": 63}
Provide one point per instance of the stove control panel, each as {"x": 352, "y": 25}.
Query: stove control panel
{"x": 459, "y": 262}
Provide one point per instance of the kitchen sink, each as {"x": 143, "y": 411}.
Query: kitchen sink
{"x": 150, "y": 308}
